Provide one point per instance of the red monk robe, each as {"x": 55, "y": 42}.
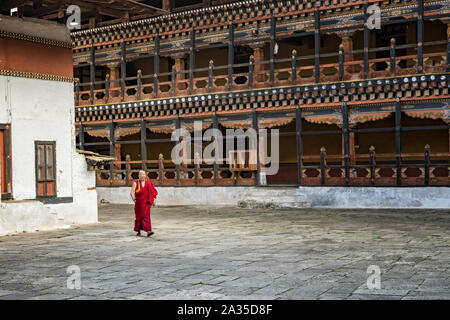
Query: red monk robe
{"x": 145, "y": 196}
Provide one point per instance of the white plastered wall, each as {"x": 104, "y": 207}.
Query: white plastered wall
{"x": 39, "y": 110}
{"x": 43, "y": 110}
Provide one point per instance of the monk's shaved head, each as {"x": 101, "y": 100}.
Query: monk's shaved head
{"x": 142, "y": 175}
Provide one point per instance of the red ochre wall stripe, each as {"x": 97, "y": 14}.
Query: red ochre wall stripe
{"x": 28, "y": 57}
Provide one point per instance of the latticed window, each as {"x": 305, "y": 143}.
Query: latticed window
{"x": 45, "y": 169}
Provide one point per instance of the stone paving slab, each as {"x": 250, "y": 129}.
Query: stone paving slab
{"x": 235, "y": 253}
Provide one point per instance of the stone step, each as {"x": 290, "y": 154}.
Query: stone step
{"x": 271, "y": 192}
{"x": 272, "y": 204}
{"x": 277, "y": 199}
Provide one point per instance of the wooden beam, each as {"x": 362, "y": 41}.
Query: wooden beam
{"x": 88, "y": 9}
{"x": 147, "y": 6}
{"x": 48, "y": 11}
{"x": 37, "y": 4}
{"x": 8, "y": 5}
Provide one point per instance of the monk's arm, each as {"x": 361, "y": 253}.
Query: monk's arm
{"x": 133, "y": 192}
{"x": 154, "y": 194}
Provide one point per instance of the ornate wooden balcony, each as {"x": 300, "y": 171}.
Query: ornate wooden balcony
{"x": 341, "y": 89}
{"x": 302, "y": 71}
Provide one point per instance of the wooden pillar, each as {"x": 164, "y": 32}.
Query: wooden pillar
{"x": 372, "y": 164}
{"x": 143, "y": 144}
{"x": 210, "y": 75}
{"x": 352, "y": 152}
{"x": 215, "y": 127}
{"x": 448, "y": 45}
{"x": 393, "y": 57}
{"x": 347, "y": 45}
{"x": 345, "y": 133}
{"x": 294, "y": 67}
{"x": 77, "y": 91}
{"x": 92, "y": 73}
{"x": 398, "y": 140}
{"x": 258, "y": 56}
{"x": 272, "y": 49}
{"x": 427, "y": 164}
{"x": 156, "y": 68}
{"x": 111, "y": 150}
{"x": 117, "y": 155}
{"x": 255, "y": 127}
{"x": 323, "y": 164}
{"x": 299, "y": 138}
{"x": 127, "y": 169}
{"x": 419, "y": 36}
{"x": 317, "y": 44}
{"x": 366, "y": 41}
{"x": 81, "y": 136}
{"x": 107, "y": 84}
{"x": 167, "y": 5}
{"x": 177, "y": 170}
{"x": 261, "y": 153}
{"x": 114, "y": 74}
{"x": 230, "y": 55}
{"x": 251, "y": 71}
{"x": 184, "y": 159}
{"x": 341, "y": 62}
{"x": 123, "y": 68}
{"x": 114, "y": 78}
{"x": 180, "y": 66}
{"x": 160, "y": 169}
{"x": 192, "y": 62}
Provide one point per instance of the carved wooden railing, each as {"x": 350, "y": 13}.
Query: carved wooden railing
{"x": 165, "y": 173}
{"x": 372, "y": 169}
{"x": 415, "y": 169}
{"x": 301, "y": 72}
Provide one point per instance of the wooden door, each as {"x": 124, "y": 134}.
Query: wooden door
{"x": 45, "y": 169}
{"x": 3, "y": 159}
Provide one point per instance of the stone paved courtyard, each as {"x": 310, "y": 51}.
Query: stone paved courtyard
{"x": 227, "y": 253}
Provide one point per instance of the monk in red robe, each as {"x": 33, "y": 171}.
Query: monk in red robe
{"x": 143, "y": 194}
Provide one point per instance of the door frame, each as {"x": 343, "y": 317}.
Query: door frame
{"x": 36, "y": 144}
{"x": 8, "y": 194}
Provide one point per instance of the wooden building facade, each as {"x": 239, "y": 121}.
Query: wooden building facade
{"x": 354, "y": 106}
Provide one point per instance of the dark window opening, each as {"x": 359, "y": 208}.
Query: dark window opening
{"x": 384, "y": 36}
